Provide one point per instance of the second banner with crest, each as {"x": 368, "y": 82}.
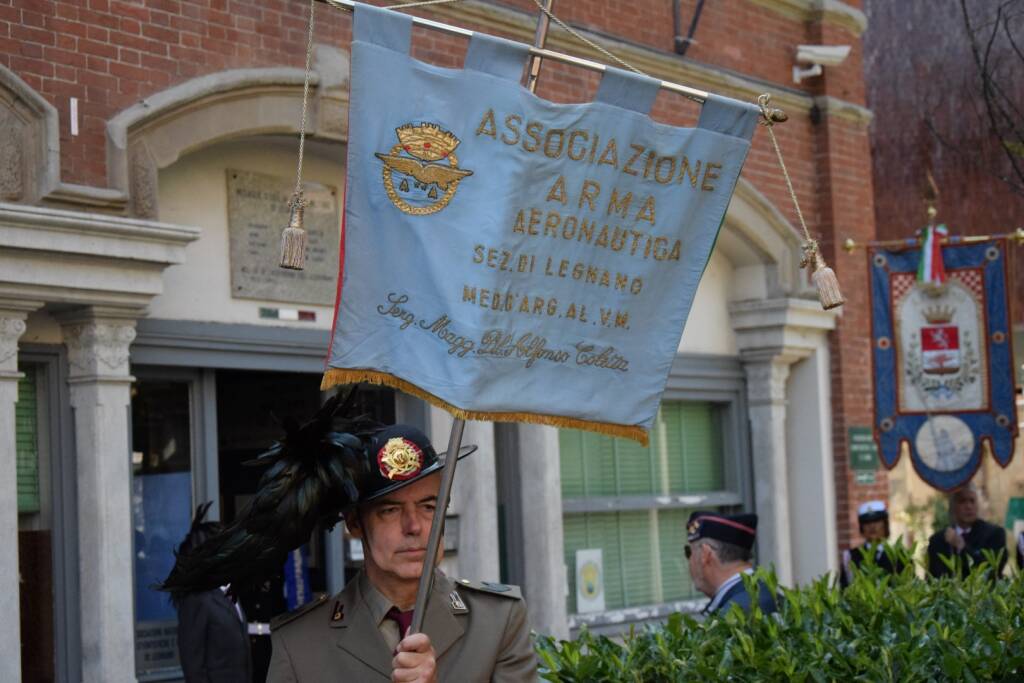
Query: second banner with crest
{"x": 943, "y": 361}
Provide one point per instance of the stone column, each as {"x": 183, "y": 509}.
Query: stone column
{"x": 543, "y": 548}
{"x": 771, "y": 335}
{"x": 474, "y": 499}
{"x": 97, "y": 341}
{"x": 766, "y": 403}
{"x": 12, "y": 326}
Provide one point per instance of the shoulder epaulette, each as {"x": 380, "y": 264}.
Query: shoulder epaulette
{"x": 288, "y": 617}
{"x": 503, "y": 589}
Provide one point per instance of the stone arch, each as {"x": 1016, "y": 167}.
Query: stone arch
{"x": 217, "y": 107}
{"x": 758, "y": 238}
{"x": 30, "y": 145}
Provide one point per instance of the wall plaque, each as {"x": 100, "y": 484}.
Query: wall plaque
{"x": 257, "y": 213}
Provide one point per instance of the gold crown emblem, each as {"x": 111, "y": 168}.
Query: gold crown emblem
{"x": 938, "y": 315}
{"x": 426, "y": 141}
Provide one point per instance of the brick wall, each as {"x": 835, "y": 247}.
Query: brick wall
{"x": 928, "y": 114}
{"x": 110, "y": 54}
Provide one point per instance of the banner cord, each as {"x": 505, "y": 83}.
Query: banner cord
{"x": 823, "y": 277}
{"x": 305, "y": 101}
{"x": 583, "y": 39}
{"x": 294, "y": 238}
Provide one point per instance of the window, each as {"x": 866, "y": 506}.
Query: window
{"x": 27, "y": 437}
{"x": 632, "y": 502}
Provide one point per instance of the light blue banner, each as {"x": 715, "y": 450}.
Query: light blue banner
{"x": 510, "y": 258}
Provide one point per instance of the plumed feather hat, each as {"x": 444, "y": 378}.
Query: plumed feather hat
{"x": 320, "y": 469}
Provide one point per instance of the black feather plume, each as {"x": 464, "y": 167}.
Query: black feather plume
{"x": 312, "y": 475}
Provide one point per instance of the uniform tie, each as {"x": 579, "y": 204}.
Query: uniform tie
{"x": 403, "y": 619}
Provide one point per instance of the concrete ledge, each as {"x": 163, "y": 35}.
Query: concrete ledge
{"x": 854, "y": 113}
{"x": 825, "y": 11}
{"x": 243, "y": 347}
{"x": 88, "y": 234}
{"x": 72, "y": 257}
{"x": 788, "y": 327}
{"x": 84, "y": 195}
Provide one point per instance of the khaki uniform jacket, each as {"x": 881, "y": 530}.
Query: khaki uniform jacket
{"x": 478, "y": 631}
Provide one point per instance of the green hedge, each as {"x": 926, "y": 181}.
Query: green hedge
{"x": 879, "y": 629}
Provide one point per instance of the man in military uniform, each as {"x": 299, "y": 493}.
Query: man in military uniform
{"x": 719, "y": 553}
{"x": 967, "y": 538}
{"x": 873, "y": 520}
{"x": 471, "y": 631}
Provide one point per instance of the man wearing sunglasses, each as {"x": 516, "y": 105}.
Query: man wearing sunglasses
{"x": 719, "y": 553}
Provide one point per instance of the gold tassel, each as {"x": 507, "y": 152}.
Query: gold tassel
{"x": 824, "y": 278}
{"x": 293, "y": 239}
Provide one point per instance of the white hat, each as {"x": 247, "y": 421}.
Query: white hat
{"x": 872, "y": 510}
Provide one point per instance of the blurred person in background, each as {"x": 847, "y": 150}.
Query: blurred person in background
{"x": 967, "y": 538}
{"x": 873, "y": 520}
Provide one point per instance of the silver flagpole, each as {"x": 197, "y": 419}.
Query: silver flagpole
{"x": 686, "y": 91}
{"x": 451, "y": 459}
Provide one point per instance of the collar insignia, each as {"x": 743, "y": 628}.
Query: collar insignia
{"x": 458, "y": 606}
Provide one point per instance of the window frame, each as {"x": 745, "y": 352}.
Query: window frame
{"x": 59, "y": 493}
{"x": 713, "y": 379}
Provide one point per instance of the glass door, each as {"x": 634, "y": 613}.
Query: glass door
{"x": 163, "y": 446}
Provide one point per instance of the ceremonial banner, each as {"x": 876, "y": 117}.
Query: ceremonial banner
{"x": 943, "y": 361}
{"x": 508, "y": 258}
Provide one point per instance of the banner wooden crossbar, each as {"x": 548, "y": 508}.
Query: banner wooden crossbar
{"x": 685, "y": 91}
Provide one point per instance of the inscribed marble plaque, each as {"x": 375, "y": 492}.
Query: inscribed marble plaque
{"x": 257, "y": 213}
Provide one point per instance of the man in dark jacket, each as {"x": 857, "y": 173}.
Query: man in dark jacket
{"x": 719, "y": 553}
{"x": 213, "y": 638}
{"x": 873, "y": 520}
{"x": 967, "y": 539}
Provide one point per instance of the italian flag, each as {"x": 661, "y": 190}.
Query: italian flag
{"x": 931, "y": 269}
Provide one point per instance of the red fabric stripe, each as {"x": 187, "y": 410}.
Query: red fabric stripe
{"x": 341, "y": 253}
{"x": 938, "y": 267}
{"x": 729, "y": 522}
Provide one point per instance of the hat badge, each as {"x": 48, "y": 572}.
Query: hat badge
{"x": 694, "y": 527}
{"x": 399, "y": 459}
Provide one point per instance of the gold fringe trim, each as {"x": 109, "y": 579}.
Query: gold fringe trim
{"x": 335, "y": 376}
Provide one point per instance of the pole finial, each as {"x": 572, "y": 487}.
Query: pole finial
{"x": 931, "y": 196}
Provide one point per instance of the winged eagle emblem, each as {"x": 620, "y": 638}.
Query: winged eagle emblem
{"x": 424, "y": 172}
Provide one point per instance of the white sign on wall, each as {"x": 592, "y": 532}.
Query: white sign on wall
{"x": 589, "y": 581}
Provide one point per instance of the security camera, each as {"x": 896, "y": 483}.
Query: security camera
{"x": 826, "y": 55}
{"x": 818, "y": 56}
